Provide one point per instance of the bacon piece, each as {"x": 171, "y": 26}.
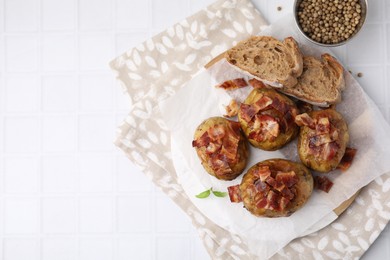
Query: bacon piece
{"x": 231, "y": 109}
{"x": 273, "y": 201}
{"x": 234, "y": 193}
{"x": 283, "y": 202}
{"x": 247, "y": 112}
{"x": 219, "y": 166}
{"x": 280, "y": 106}
{"x": 329, "y": 150}
{"x": 269, "y": 127}
{"x": 261, "y": 187}
{"x": 318, "y": 140}
{"x": 255, "y": 83}
{"x": 271, "y": 181}
{"x": 323, "y": 125}
{"x": 287, "y": 178}
{"x": 305, "y": 120}
{"x": 233, "y": 84}
{"x": 323, "y": 183}
{"x": 347, "y": 159}
{"x": 263, "y": 103}
{"x": 262, "y": 172}
{"x": 216, "y": 132}
{"x": 213, "y": 147}
{"x": 203, "y": 140}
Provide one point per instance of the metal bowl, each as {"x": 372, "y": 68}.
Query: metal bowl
{"x": 363, "y": 4}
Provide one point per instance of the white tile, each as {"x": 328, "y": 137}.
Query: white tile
{"x": 96, "y": 92}
{"x": 22, "y": 93}
{"x": 166, "y": 210}
{"x": 21, "y": 53}
{"x": 200, "y": 252}
{"x": 123, "y": 102}
{"x": 132, "y": 14}
{"x": 97, "y": 133}
{"x": 59, "y": 179}
{"x": 370, "y": 39}
{"x": 167, "y": 13}
{"x": 95, "y": 51}
{"x": 59, "y": 215}
{"x": 139, "y": 247}
{"x": 388, "y": 41}
{"x": 173, "y": 248}
{"x": 127, "y": 172}
{"x": 134, "y": 213}
{"x": 59, "y": 133}
{"x": 58, "y": 52}
{"x": 21, "y": 15}
{"x": 21, "y": 249}
{"x": 96, "y": 215}
{"x": 21, "y": 174}
{"x": 197, "y": 5}
{"x": 96, "y": 249}
{"x": 372, "y": 81}
{"x": 375, "y": 11}
{"x": 95, "y": 14}
{"x": 59, "y": 93}
{"x": 58, "y": 14}
{"x": 59, "y": 249}
{"x": 21, "y": 216}
{"x": 22, "y": 134}
{"x": 96, "y": 173}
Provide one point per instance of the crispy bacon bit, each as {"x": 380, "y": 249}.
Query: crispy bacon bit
{"x": 323, "y": 183}
{"x": 305, "y": 120}
{"x": 231, "y": 109}
{"x": 234, "y": 193}
{"x": 204, "y": 140}
{"x": 217, "y": 132}
{"x": 272, "y": 201}
{"x": 262, "y": 103}
{"x": 323, "y": 125}
{"x": 318, "y": 140}
{"x": 329, "y": 150}
{"x": 280, "y": 106}
{"x": 263, "y": 172}
{"x": 268, "y": 128}
{"x": 247, "y": 112}
{"x": 255, "y": 83}
{"x": 287, "y": 178}
{"x": 347, "y": 159}
{"x": 233, "y": 84}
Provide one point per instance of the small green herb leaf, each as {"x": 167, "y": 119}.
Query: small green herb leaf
{"x": 220, "y": 194}
{"x": 203, "y": 194}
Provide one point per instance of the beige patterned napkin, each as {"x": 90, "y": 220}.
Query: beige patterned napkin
{"x": 157, "y": 69}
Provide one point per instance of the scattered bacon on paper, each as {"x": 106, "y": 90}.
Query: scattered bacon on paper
{"x": 347, "y": 159}
{"x": 233, "y": 84}
{"x": 232, "y": 108}
{"x": 323, "y": 183}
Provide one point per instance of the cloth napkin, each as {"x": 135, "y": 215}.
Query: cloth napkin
{"x": 157, "y": 69}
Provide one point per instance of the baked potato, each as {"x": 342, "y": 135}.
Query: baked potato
{"x": 322, "y": 140}
{"x": 267, "y": 119}
{"x": 221, "y": 147}
{"x": 274, "y": 188}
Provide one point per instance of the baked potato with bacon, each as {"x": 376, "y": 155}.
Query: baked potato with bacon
{"x": 267, "y": 119}
{"x": 221, "y": 147}
{"x": 322, "y": 139}
{"x": 274, "y": 188}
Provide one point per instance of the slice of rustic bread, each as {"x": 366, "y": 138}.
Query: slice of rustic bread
{"x": 268, "y": 59}
{"x": 321, "y": 82}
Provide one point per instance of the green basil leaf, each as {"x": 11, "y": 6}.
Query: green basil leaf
{"x": 220, "y": 194}
{"x": 204, "y": 194}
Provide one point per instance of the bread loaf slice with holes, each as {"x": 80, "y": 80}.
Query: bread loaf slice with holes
{"x": 321, "y": 82}
{"x": 267, "y": 59}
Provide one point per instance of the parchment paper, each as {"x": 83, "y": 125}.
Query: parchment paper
{"x": 199, "y": 100}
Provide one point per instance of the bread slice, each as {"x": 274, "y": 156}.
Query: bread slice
{"x": 321, "y": 82}
{"x": 267, "y": 59}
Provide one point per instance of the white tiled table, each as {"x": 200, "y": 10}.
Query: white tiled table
{"x": 65, "y": 195}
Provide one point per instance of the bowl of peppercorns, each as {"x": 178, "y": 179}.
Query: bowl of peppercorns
{"x": 330, "y": 22}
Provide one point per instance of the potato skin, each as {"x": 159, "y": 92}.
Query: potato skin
{"x": 283, "y": 137}
{"x": 317, "y": 163}
{"x": 243, "y": 150}
{"x": 303, "y": 187}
